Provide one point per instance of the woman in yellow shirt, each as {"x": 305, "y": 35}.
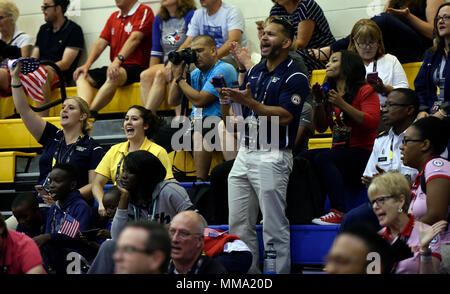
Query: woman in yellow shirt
{"x": 139, "y": 126}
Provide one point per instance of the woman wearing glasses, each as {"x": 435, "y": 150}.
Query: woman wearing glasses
{"x": 352, "y": 110}
{"x": 434, "y": 72}
{"x": 383, "y": 71}
{"x": 415, "y": 245}
{"x": 407, "y": 27}
{"x": 423, "y": 143}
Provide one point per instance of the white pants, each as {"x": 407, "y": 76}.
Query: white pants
{"x": 259, "y": 179}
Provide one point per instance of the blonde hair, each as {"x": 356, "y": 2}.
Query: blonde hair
{"x": 391, "y": 183}
{"x": 10, "y": 8}
{"x": 367, "y": 29}
{"x": 84, "y": 108}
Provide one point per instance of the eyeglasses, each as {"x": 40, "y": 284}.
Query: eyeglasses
{"x": 131, "y": 250}
{"x": 366, "y": 44}
{"x": 44, "y": 7}
{"x": 182, "y": 234}
{"x": 388, "y": 105}
{"x": 444, "y": 18}
{"x": 380, "y": 200}
{"x": 405, "y": 141}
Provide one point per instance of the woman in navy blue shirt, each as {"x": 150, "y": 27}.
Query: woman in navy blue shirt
{"x": 72, "y": 144}
{"x": 435, "y": 72}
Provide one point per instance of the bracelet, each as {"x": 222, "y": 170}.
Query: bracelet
{"x": 441, "y": 112}
{"x": 242, "y": 70}
{"x": 424, "y": 258}
{"x": 317, "y": 104}
{"x": 16, "y": 86}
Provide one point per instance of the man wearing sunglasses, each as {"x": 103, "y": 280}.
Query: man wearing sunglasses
{"x": 398, "y": 113}
{"x": 59, "y": 40}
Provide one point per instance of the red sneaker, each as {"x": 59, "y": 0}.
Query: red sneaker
{"x": 334, "y": 217}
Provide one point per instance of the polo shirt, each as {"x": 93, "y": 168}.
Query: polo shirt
{"x": 387, "y": 155}
{"x": 85, "y": 155}
{"x": 285, "y": 86}
{"x": 52, "y": 44}
{"x": 119, "y": 27}
{"x": 110, "y": 162}
{"x": 22, "y": 254}
{"x": 201, "y": 82}
{"x": 434, "y": 168}
{"x": 410, "y": 234}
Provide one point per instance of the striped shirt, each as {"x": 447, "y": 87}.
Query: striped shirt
{"x": 308, "y": 9}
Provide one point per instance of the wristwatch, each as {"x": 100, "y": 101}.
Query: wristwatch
{"x": 242, "y": 70}
{"x": 121, "y": 58}
{"x": 179, "y": 79}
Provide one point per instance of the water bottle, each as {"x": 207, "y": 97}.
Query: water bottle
{"x": 270, "y": 259}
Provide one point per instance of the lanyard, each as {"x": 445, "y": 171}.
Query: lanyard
{"x": 258, "y": 85}
{"x": 374, "y": 67}
{"x": 118, "y": 168}
{"x": 59, "y": 156}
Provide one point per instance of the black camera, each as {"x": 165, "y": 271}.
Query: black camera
{"x": 187, "y": 55}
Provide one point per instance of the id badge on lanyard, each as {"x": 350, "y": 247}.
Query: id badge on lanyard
{"x": 252, "y": 132}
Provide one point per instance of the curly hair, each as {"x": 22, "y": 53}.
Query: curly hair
{"x": 183, "y": 7}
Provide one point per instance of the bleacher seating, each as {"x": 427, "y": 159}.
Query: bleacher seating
{"x": 14, "y": 136}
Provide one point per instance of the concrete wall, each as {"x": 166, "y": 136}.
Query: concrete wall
{"x": 91, "y": 15}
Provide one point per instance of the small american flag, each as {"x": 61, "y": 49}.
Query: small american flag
{"x": 69, "y": 227}
{"x": 33, "y": 76}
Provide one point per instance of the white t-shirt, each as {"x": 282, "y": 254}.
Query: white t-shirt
{"x": 390, "y": 72}
{"x": 20, "y": 39}
{"x": 218, "y": 25}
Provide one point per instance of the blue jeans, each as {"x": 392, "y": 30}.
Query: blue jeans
{"x": 400, "y": 39}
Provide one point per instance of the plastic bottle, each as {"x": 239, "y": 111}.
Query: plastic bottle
{"x": 270, "y": 259}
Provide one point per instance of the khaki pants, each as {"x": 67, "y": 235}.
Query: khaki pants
{"x": 259, "y": 179}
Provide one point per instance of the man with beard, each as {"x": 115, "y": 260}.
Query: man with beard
{"x": 273, "y": 92}
{"x": 399, "y": 112}
{"x": 59, "y": 40}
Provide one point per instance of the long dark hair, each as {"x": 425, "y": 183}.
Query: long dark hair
{"x": 353, "y": 71}
{"x": 149, "y": 172}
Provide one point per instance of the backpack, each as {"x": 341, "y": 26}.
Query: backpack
{"x": 304, "y": 198}
{"x": 203, "y": 201}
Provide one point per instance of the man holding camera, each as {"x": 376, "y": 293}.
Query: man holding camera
{"x": 128, "y": 33}
{"x": 201, "y": 93}
{"x": 272, "y": 96}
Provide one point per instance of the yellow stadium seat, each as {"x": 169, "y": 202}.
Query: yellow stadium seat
{"x": 317, "y": 143}
{"x": 14, "y": 134}
{"x": 8, "y": 165}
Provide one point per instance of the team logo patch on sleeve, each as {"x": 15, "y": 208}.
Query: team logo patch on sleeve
{"x": 296, "y": 99}
{"x": 438, "y": 162}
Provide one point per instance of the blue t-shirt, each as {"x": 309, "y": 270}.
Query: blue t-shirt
{"x": 201, "y": 82}
{"x": 85, "y": 155}
{"x": 285, "y": 86}
{"x": 168, "y": 35}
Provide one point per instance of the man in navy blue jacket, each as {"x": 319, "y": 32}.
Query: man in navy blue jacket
{"x": 69, "y": 216}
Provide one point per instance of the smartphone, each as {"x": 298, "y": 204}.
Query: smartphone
{"x": 217, "y": 82}
{"x": 325, "y": 87}
{"x": 91, "y": 234}
{"x": 372, "y": 77}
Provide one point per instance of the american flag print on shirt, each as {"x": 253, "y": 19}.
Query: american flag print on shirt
{"x": 33, "y": 76}
{"x": 69, "y": 227}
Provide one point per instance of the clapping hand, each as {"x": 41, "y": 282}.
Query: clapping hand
{"x": 335, "y": 98}
{"x": 243, "y": 97}
{"x": 427, "y": 235}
